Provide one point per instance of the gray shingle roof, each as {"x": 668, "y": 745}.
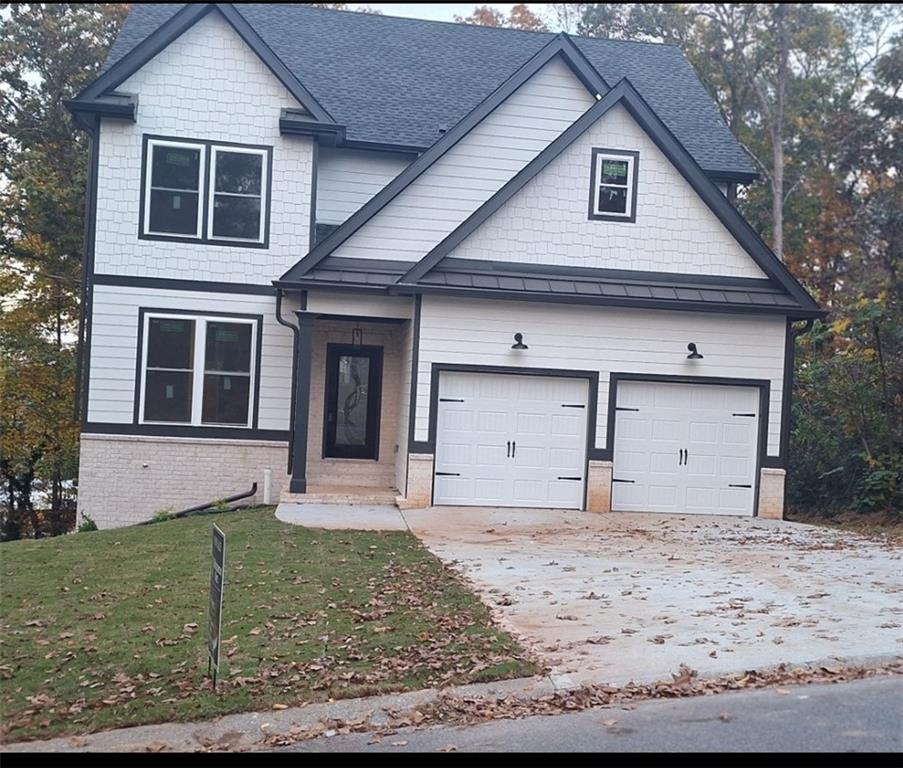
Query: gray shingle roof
{"x": 394, "y": 80}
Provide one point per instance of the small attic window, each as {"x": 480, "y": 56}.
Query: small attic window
{"x": 613, "y": 185}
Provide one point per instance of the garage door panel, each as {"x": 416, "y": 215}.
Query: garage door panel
{"x": 517, "y": 409}
{"x": 701, "y": 419}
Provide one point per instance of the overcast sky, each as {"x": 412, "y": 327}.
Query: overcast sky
{"x": 439, "y": 11}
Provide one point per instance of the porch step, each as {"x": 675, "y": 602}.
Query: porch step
{"x": 348, "y": 495}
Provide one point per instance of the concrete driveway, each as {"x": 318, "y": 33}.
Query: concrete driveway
{"x": 622, "y": 597}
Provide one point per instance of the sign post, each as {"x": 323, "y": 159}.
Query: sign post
{"x": 217, "y": 572}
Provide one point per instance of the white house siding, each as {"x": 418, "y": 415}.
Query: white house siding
{"x": 474, "y": 168}
{"x": 327, "y": 302}
{"x": 207, "y": 84}
{"x": 114, "y": 348}
{"x": 478, "y": 332}
{"x": 348, "y": 178}
{"x": 547, "y": 221}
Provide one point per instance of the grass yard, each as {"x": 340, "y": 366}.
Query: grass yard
{"x": 107, "y": 629}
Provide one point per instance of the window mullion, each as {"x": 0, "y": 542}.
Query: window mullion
{"x": 197, "y": 381}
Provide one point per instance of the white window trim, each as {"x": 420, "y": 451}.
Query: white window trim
{"x": 198, "y": 372}
{"x": 148, "y": 174}
{"x": 630, "y": 160}
{"x": 211, "y": 192}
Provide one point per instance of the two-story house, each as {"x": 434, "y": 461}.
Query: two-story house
{"x": 424, "y": 263}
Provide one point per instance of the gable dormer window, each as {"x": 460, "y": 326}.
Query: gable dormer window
{"x": 613, "y": 185}
{"x": 207, "y": 192}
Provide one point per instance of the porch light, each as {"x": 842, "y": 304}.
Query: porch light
{"x": 519, "y": 342}
{"x": 694, "y": 354}
{"x": 357, "y": 336}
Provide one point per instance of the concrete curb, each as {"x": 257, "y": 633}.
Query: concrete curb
{"x": 246, "y": 730}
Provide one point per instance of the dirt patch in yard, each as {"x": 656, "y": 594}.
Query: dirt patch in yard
{"x": 879, "y": 525}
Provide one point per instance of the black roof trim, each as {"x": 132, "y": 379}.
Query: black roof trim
{"x": 557, "y": 271}
{"x": 114, "y": 105}
{"x": 636, "y": 301}
{"x": 295, "y": 123}
{"x": 559, "y": 45}
{"x": 736, "y": 177}
{"x": 184, "y": 19}
{"x": 624, "y": 93}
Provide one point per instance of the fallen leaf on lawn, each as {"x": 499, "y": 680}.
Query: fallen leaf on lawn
{"x": 255, "y": 631}
{"x": 280, "y": 706}
{"x": 190, "y": 627}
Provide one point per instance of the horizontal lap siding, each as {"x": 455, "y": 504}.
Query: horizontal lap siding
{"x": 547, "y": 221}
{"x": 208, "y": 85}
{"x": 470, "y": 172}
{"x": 606, "y": 340}
{"x": 114, "y": 348}
{"x": 346, "y": 179}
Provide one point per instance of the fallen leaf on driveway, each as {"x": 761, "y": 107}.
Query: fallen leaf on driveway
{"x": 567, "y": 617}
{"x": 280, "y": 706}
{"x": 725, "y": 717}
{"x": 609, "y": 723}
{"x": 782, "y": 691}
{"x": 448, "y": 748}
{"x": 399, "y": 743}
{"x": 600, "y": 640}
{"x": 628, "y": 631}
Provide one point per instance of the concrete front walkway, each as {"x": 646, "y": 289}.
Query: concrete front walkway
{"x": 355, "y": 517}
{"x": 621, "y": 597}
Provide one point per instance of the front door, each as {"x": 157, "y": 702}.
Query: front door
{"x": 353, "y": 394}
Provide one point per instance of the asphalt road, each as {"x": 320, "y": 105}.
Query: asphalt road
{"x": 859, "y": 716}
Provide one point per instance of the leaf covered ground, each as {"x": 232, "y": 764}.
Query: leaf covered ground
{"x": 107, "y": 629}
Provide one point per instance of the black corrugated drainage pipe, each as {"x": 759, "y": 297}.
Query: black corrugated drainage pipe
{"x": 208, "y": 505}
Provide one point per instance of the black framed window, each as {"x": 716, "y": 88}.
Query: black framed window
{"x": 237, "y": 183}
{"x": 204, "y": 191}
{"x": 353, "y": 401}
{"x": 613, "y": 185}
{"x": 198, "y": 370}
{"x": 173, "y": 194}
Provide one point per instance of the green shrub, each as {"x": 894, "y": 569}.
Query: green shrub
{"x": 87, "y": 524}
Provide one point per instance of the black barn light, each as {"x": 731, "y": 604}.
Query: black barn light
{"x": 519, "y": 342}
{"x": 694, "y": 354}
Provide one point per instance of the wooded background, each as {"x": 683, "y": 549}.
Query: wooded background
{"x": 812, "y": 92}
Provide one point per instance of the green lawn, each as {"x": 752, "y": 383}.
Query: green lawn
{"x": 107, "y": 629}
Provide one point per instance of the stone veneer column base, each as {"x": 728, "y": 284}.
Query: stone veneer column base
{"x": 598, "y": 486}
{"x": 125, "y": 479}
{"x": 420, "y": 482}
{"x": 771, "y": 493}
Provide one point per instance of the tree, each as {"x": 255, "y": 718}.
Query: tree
{"x": 48, "y": 52}
{"x": 519, "y": 17}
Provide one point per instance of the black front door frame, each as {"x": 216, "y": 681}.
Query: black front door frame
{"x": 370, "y": 449}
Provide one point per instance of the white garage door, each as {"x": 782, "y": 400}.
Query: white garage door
{"x": 508, "y": 440}
{"x": 685, "y": 448}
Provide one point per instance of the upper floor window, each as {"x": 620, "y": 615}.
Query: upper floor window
{"x": 205, "y": 192}
{"x": 613, "y": 185}
{"x": 198, "y": 370}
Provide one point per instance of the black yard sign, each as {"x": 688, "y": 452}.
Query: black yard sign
{"x": 217, "y": 572}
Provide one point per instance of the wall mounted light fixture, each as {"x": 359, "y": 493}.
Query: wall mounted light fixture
{"x": 357, "y": 336}
{"x": 519, "y": 342}
{"x": 694, "y": 354}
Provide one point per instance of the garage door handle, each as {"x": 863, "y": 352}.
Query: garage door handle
{"x": 569, "y": 478}
{"x": 680, "y": 461}
{"x": 513, "y": 448}
{"x": 752, "y": 415}
{"x": 508, "y": 453}
{"x": 448, "y": 474}
{"x": 735, "y": 485}
{"x": 615, "y": 480}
